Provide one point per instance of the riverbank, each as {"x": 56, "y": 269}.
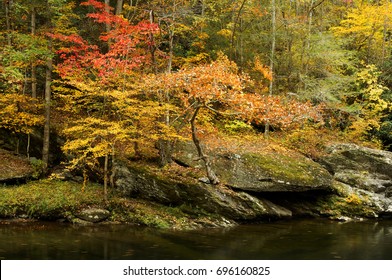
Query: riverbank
{"x": 64, "y": 201}
{"x": 346, "y": 182}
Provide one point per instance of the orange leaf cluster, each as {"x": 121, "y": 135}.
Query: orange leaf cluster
{"x": 280, "y": 112}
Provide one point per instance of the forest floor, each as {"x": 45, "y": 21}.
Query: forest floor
{"x": 11, "y": 165}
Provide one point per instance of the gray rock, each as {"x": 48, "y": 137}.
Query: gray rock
{"x": 93, "y": 215}
{"x": 292, "y": 182}
{"x": 367, "y": 171}
{"x": 342, "y": 157}
{"x": 261, "y": 173}
{"x": 61, "y": 173}
{"x": 125, "y": 181}
{"x": 212, "y": 199}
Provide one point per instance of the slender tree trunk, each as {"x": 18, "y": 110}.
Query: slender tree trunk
{"x": 384, "y": 41}
{"x": 307, "y": 46}
{"x": 164, "y": 145}
{"x": 33, "y": 67}
{"x": 107, "y": 25}
{"x": 85, "y": 179}
{"x": 272, "y": 57}
{"x": 113, "y": 173}
{"x": 48, "y": 93}
{"x": 210, "y": 172}
{"x": 8, "y": 21}
{"x": 170, "y": 62}
{"x": 152, "y": 45}
{"x": 28, "y": 145}
{"x": 136, "y": 149}
{"x": 236, "y": 20}
{"x": 107, "y": 9}
{"x": 105, "y": 178}
{"x": 119, "y": 7}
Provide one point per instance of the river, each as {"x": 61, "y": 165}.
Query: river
{"x": 284, "y": 240}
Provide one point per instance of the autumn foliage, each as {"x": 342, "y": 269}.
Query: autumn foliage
{"x": 131, "y": 81}
{"x": 127, "y": 48}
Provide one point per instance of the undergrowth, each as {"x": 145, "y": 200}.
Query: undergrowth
{"x": 47, "y": 199}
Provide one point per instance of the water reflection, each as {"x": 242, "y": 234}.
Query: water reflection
{"x": 307, "y": 239}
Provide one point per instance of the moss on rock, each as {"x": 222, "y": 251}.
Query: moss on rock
{"x": 272, "y": 173}
{"x": 346, "y": 201}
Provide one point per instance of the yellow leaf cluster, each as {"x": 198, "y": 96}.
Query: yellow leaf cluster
{"x": 19, "y": 113}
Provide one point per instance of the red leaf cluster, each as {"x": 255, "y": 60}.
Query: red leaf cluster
{"x": 128, "y": 48}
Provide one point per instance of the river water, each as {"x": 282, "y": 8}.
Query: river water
{"x": 284, "y": 240}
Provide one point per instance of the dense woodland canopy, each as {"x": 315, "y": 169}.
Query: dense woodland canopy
{"x": 115, "y": 78}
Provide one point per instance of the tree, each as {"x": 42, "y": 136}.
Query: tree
{"x": 90, "y": 139}
{"x": 369, "y": 104}
{"x": 104, "y": 89}
{"x": 365, "y": 28}
{"x": 273, "y": 44}
{"x": 58, "y": 11}
{"x": 20, "y": 113}
{"x": 216, "y": 87}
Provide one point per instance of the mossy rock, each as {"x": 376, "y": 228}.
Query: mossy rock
{"x": 272, "y": 173}
{"x": 348, "y": 202}
{"x": 217, "y": 200}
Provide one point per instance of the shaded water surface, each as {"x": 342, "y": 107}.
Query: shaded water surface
{"x": 305, "y": 239}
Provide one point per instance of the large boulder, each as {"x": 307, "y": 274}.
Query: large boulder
{"x": 350, "y": 181}
{"x": 360, "y": 167}
{"x": 135, "y": 181}
{"x": 368, "y": 171}
{"x": 267, "y": 172}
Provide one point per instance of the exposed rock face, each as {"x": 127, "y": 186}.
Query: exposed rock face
{"x": 135, "y": 182}
{"x": 361, "y": 167}
{"x": 272, "y": 172}
{"x": 367, "y": 171}
{"x": 350, "y": 181}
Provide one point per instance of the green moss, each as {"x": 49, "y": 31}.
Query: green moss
{"x": 345, "y": 202}
{"x": 288, "y": 168}
{"x": 47, "y": 199}
{"x": 158, "y": 216}
{"x": 52, "y": 199}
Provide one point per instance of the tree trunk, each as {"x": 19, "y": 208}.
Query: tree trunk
{"x": 273, "y": 42}
{"x": 119, "y": 7}
{"x": 210, "y": 172}
{"x": 8, "y": 21}
{"x": 384, "y": 40}
{"x": 113, "y": 173}
{"x": 48, "y": 93}
{"x": 170, "y": 62}
{"x": 152, "y": 45}
{"x": 107, "y": 25}
{"x": 307, "y": 48}
{"x": 236, "y": 20}
{"x": 165, "y": 152}
{"x": 165, "y": 146}
{"x": 105, "y": 177}
{"x": 33, "y": 67}
{"x": 28, "y": 145}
